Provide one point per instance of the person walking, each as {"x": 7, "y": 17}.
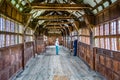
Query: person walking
{"x": 57, "y": 46}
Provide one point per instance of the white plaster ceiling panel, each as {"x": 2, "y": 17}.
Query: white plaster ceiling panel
{"x": 98, "y": 1}
{"x": 90, "y": 2}
{"x": 113, "y": 1}
{"x": 100, "y": 8}
{"x": 106, "y": 4}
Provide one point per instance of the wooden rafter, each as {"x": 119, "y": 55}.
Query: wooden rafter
{"x": 53, "y": 27}
{"x": 54, "y": 17}
{"x": 59, "y": 7}
{"x": 58, "y": 27}
{"x": 56, "y": 23}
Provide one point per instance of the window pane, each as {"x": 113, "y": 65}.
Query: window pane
{"x": 119, "y": 26}
{"x": 107, "y": 29}
{"x": 101, "y": 29}
{"x": 20, "y": 39}
{"x": 2, "y": 24}
{"x": 12, "y": 27}
{"x": 96, "y": 31}
{"x": 12, "y": 39}
{"x": 102, "y": 42}
{"x": 16, "y": 39}
{"x": 97, "y": 42}
{"x": 32, "y": 38}
{"x": 113, "y": 27}
{"x": 119, "y": 44}
{"x": 7, "y": 25}
{"x": 107, "y": 41}
{"x": 7, "y": 40}
{"x": 2, "y": 40}
{"x": 113, "y": 43}
{"x": 16, "y": 28}
{"x": 20, "y": 29}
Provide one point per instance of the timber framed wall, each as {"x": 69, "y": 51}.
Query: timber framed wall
{"x": 106, "y": 56}
{"x": 107, "y": 42}
{"x": 13, "y": 55}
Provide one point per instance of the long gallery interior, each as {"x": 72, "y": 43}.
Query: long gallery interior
{"x": 88, "y": 33}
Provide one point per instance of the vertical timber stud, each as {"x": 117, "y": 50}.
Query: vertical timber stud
{"x": 65, "y": 35}
{"x": 33, "y": 45}
{"x": 90, "y": 27}
{"x": 91, "y": 50}
{"x": 24, "y": 40}
{"x": 35, "y": 42}
{"x": 1, "y": 3}
{"x": 69, "y": 37}
{"x": 64, "y": 38}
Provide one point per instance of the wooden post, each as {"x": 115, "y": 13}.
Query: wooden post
{"x": 24, "y": 43}
{"x": 65, "y": 34}
{"x": 65, "y": 41}
{"x": 90, "y": 26}
{"x": 91, "y": 49}
{"x": 24, "y": 47}
{"x": 23, "y": 65}
{"x": 71, "y": 47}
{"x": 34, "y": 43}
{"x": 34, "y": 46}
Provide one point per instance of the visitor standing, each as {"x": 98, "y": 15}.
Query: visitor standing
{"x": 57, "y": 46}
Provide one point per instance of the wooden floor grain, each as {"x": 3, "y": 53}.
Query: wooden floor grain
{"x": 50, "y": 66}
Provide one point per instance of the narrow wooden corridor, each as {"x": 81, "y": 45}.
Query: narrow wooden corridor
{"x": 49, "y": 66}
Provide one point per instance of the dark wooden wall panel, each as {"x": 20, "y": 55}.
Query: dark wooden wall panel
{"x": 3, "y": 7}
{"x": 85, "y": 53}
{"x": 107, "y": 64}
{"x": 9, "y": 10}
{"x": 29, "y": 51}
{"x": 11, "y": 59}
{"x": 108, "y": 14}
{"x": 115, "y": 11}
{"x": 101, "y": 18}
{"x": 40, "y": 44}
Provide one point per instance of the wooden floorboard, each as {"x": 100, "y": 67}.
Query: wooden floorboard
{"x": 50, "y": 66}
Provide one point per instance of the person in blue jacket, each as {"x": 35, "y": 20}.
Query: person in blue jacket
{"x": 57, "y": 46}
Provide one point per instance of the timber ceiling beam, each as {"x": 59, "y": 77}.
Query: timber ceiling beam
{"x": 54, "y": 27}
{"x": 54, "y": 17}
{"x": 59, "y": 7}
{"x": 57, "y": 23}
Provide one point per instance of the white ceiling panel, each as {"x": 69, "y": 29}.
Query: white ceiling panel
{"x": 90, "y": 2}
{"x": 98, "y": 1}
